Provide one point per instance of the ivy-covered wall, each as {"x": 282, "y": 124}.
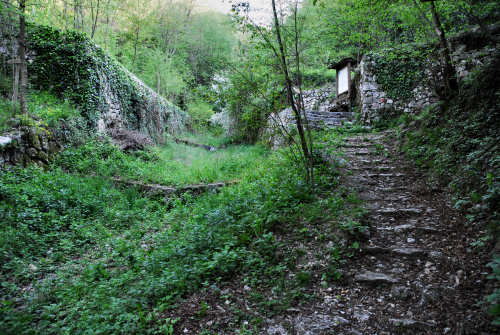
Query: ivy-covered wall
{"x": 71, "y": 66}
{"x": 395, "y": 81}
{"x": 407, "y": 79}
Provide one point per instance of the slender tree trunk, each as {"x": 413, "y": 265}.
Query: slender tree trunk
{"x": 75, "y": 14}
{"x": 291, "y": 99}
{"x": 94, "y": 19}
{"x": 22, "y": 56}
{"x": 107, "y": 26}
{"x": 449, "y": 72}
{"x": 300, "y": 103}
{"x": 15, "y": 87}
{"x": 135, "y": 44}
{"x": 65, "y": 15}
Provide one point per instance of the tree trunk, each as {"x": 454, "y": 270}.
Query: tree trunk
{"x": 22, "y": 56}
{"x": 449, "y": 73}
{"x": 291, "y": 99}
{"x": 135, "y": 44}
{"x": 94, "y": 19}
{"x": 300, "y": 103}
{"x": 107, "y": 26}
{"x": 15, "y": 87}
{"x": 65, "y": 15}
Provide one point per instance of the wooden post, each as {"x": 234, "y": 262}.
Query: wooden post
{"x": 15, "y": 85}
{"x": 22, "y": 56}
{"x": 337, "y": 81}
{"x": 349, "y": 79}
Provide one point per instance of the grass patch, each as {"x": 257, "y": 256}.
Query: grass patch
{"x": 49, "y": 108}
{"x": 6, "y": 114}
{"x": 41, "y": 105}
{"x": 80, "y": 256}
{"x": 170, "y": 164}
{"x": 207, "y": 138}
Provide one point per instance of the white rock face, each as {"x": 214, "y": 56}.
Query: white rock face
{"x": 322, "y": 110}
{"x": 4, "y": 140}
{"x": 224, "y": 120}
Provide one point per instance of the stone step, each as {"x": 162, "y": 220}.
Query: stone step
{"x": 399, "y": 251}
{"x": 410, "y": 228}
{"x": 328, "y": 114}
{"x": 371, "y": 162}
{"x": 378, "y": 203}
{"x": 410, "y": 324}
{"x": 357, "y": 145}
{"x": 360, "y": 152}
{"x": 325, "y": 125}
{"x": 372, "y": 199}
{"x": 366, "y": 137}
{"x": 392, "y": 189}
{"x": 375, "y": 278}
{"x": 381, "y": 168}
{"x": 385, "y": 175}
{"x": 327, "y": 117}
{"x": 325, "y": 120}
{"x": 400, "y": 212}
{"x": 361, "y": 181}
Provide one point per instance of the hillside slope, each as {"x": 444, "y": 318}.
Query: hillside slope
{"x": 71, "y": 66}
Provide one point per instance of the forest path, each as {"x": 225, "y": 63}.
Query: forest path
{"x": 416, "y": 272}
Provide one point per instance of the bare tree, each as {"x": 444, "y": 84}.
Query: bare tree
{"x": 22, "y": 56}
{"x": 301, "y": 151}
{"x": 94, "y": 16}
{"x": 295, "y": 102}
{"x": 449, "y": 72}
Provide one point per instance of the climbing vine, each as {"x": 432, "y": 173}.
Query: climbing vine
{"x": 400, "y": 71}
{"x": 71, "y": 66}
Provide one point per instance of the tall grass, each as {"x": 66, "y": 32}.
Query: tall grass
{"x": 6, "y": 113}
{"x": 170, "y": 164}
{"x": 79, "y": 256}
{"x": 41, "y": 105}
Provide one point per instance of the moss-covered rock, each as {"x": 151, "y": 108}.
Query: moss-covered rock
{"x": 109, "y": 96}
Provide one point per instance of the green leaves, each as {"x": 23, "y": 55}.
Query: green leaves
{"x": 399, "y": 71}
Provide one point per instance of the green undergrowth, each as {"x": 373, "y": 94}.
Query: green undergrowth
{"x": 458, "y": 144}
{"x": 169, "y": 164}
{"x": 400, "y": 70}
{"x": 42, "y": 106}
{"x": 6, "y": 114}
{"x": 315, "y": 77}
{"x": 80, "y": 255}
{"x": 49, "y": 108}
{"x": 206, "y": 138}
{"x": 73, "y": 68}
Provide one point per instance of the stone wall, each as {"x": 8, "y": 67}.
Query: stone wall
{"x": 322, "y": 110}
{"x": 28, "y": 144}
{"x": 109, "y": 97}
{"x": 153, "y": 114}
{"x": 374, "y": 104}
{"x": 470, "y": 50}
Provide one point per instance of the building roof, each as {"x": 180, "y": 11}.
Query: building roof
{"x": 342, "y": 63}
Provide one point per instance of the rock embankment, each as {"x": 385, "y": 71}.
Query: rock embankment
{"x": 27, "y": 145}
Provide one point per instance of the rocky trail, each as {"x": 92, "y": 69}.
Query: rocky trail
{"x": 415, "y": 271}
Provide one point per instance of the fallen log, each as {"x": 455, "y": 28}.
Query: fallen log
{"x": 154, "y": 189}
{"x": 196, "y": 145}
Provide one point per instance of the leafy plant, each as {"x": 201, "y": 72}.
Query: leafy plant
{"x": 103, "y": 259}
